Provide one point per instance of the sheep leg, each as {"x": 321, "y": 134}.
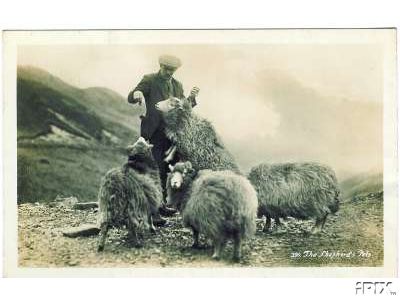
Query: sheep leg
{"x": 237, "y": 247}
{"x": 152, "y": 227}
{"x": 278, "y": 224}
{"x": 168, "y": 150}
{"x": 319, "y": 224}
{"x": 218, "y": 247}
{"x": 103, "y": 234}
{"x": 170, "y": 153}
{"x": 316, "y": 228}
{"x": 323, "y": 221}
{"x": 132, "y": 235}
{"x": 133, "y": 238}
{"x": 196, "y": 243}
{"x": 267, "y": 226}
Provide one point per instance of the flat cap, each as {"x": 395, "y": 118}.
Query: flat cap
{"x": 170, "y": 61}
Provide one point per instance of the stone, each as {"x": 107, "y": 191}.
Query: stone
{"x": 85, "y": 205}
{"x": 83, "y": 230}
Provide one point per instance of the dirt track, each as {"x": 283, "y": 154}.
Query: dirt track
{"x": 353, "y": 237}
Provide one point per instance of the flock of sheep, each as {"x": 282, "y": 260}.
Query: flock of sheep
{"x": 207, "y": 187}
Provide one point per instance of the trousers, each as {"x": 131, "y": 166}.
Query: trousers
{"x": 161, "y": 144}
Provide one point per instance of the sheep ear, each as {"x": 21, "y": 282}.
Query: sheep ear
{"x": 171, "y": 168}
{"x": 188, "y": 165}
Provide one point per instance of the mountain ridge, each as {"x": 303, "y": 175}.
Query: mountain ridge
{"x": 44, "y": 100}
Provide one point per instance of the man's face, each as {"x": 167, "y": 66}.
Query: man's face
{"x": 167, "y": 71}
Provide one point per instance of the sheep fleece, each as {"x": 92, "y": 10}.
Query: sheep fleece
{"x": 299, "y": 190}
{"x": 221, "y": 203}
{"x": 126, "y": 195}
{"x": 197, "y": 140}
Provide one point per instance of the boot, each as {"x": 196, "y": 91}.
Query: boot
{"x": 166, "y": 211}
{"x": 159, "y": 221}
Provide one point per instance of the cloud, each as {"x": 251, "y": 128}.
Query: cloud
{"x": 340, "y": 132}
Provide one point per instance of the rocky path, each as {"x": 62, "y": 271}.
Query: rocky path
{"x": 353, "y": 237}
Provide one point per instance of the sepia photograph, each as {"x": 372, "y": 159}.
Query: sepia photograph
{"x": 260, "y": 152}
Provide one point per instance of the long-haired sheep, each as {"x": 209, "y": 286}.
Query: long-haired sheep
{"x": 129, "y": 195}
{"x": 218, "y": 204}
{"x": 299, "y": 190}
{"x": 194, "y": 138}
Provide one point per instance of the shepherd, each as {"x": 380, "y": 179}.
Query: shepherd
{"x": 152, "y": 89}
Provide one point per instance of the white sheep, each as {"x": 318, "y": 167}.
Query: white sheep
{"x": 219, "y": 204}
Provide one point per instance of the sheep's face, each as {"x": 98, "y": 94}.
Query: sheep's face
{"x": 172, "y": 104}
{"x": 140, "y": 147}
{"x": 176, "y": 180}
{"x": 178, "y": 174}
{"x": 178, "y": 177}
{"x": 169, "y": 104}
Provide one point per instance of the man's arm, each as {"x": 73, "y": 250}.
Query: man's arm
{"x": 143, "y": 87}
{"x": 192, "y": 101}
{"x": 192, "y": 97}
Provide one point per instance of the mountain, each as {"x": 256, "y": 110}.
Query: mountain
{"x": 68, "y": 138}
{"x": 361, "y": 184}
{"x": 40, "y": 108}
{"x": 46, "y": 104}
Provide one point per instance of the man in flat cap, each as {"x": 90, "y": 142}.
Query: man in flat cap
{"x": 152, "y": 89}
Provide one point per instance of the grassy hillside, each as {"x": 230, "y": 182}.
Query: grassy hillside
{"x": 361, "y": 184}
{"x": 113, "y": 109}
{"x": 45, "y": 172}
{"x": 68, "y": 137}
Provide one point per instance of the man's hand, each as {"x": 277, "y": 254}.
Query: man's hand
{"x": 138, "y": 97}
{"x": 194, "y": 92}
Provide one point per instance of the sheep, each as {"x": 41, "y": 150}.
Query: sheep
{"x": 194, "y": 138}
{"x": 129, "y": 195}
{"x": 299, "y": 190}
{"x": 219, "y": 204}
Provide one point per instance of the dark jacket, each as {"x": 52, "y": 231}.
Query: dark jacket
{"x": 155, "y": 89}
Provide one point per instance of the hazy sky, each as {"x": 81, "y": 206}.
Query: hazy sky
{"x": 340, "y": 70}
{"x": 230, "y": 77}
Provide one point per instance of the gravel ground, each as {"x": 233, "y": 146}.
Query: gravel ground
{"x": 353, "y": 237}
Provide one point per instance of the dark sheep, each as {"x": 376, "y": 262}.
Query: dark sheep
{"x": 194, "y": 138}
{"x": 129, "y": 195}
{"x": 298, "y": 190}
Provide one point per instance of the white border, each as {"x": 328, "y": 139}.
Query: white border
{"x": 385, "y": 37}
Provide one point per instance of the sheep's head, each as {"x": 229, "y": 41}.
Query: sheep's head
{"x": 140, "y": 148}
{"x": 180, "y": 174}
{"x": 173, "y": 104}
